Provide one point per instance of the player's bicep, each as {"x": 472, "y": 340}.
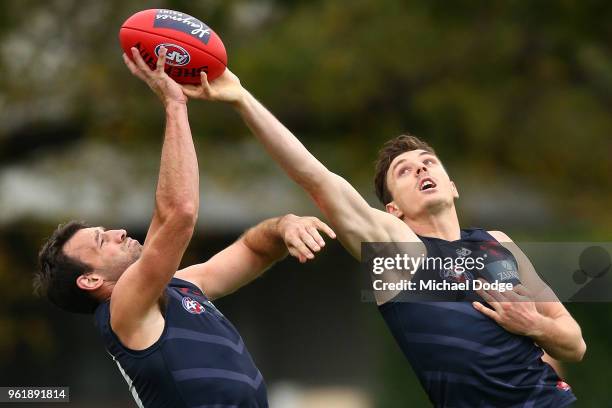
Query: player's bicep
{"x": 546, "y": 300}
{"x": 353, "y": 219}
{"x": 530, "y": 278}
{"x": 227, "y": 271}
{"x": 137, "y": 291}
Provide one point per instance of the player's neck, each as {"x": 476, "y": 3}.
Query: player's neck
{"x": 104, "y": 292}
{"x": 443, "y": 225}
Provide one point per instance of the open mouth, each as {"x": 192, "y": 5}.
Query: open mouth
{"x": 426, "y": 184}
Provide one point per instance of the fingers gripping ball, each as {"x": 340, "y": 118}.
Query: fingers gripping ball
{"x": 192, "y": 47}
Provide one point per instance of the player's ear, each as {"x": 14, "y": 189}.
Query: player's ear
{"x": 393, "y": 209}
{"x": 454, "y": 190}
{"x": 89, "y": 281}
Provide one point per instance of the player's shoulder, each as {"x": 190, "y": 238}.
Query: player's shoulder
{"x": 188, "y": 278}
{"x": 500, "y": 236}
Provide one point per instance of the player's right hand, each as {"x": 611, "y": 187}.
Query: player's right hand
{"x": 301, "y": 235}
{"x": 226, "y": 88}
{"x": 159, "y": 82}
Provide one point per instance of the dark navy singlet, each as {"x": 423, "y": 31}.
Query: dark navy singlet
{"x": 462, "y": 357}
{"x": 200, "y": 360}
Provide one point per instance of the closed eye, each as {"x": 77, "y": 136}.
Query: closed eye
{"x": 99, "y": 237}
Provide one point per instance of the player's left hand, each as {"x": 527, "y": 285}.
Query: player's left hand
{"x": 226, "y": 88}
{"x": 514, "y": 310}
{"x": 301, "y": 235}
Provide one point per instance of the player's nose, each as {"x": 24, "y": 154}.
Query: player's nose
{"x": 421, "y": 169}
{"x": 119, "y": 235}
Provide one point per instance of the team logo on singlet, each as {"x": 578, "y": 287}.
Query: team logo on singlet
{"x": 192, "y": 306}
{"x": 463, "y": 252}
{"x": 457, "y": 274}
{"x": 563, "y": 386}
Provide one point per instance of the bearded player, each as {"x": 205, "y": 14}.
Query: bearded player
{"x": 482, "y": 353}
{"x": 173, "y": 346}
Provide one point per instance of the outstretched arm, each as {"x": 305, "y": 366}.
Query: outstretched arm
{"x": 353, "y": 218}
{"x": 255, "y": 251}
{"x": 135, "y": 316}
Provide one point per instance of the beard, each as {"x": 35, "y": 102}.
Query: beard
{"x": 113, "y": 270}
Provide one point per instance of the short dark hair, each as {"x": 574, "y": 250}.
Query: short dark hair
{"x": 389, "y": 151}
{"x": 57, "y": 275}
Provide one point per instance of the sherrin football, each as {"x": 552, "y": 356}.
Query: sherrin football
{"x": 191, "y": 45}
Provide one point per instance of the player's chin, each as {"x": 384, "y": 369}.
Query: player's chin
{"x": 435, "y": 201}
{"x": 135, "y": 255}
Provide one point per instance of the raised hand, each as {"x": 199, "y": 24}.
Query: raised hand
{"x": 159, "y": 82}
{"x": 225, "y": 88}
{"x": 301, "y": 235}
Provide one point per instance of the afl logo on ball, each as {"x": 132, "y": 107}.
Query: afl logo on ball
{"x": 175, "y": 55}
{"x": 192, "y": 306}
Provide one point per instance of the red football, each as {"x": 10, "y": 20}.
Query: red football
{"x": 192, "y": 46}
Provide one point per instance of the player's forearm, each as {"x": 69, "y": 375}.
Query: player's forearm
{"x": 177, "y": 188}
{"x": 281, "y": 144}
{"x": 349, "y": 213}
{"x": 266, "y": 241}
{"x": 560, "y": 337}
{"x": 264, "y": 246}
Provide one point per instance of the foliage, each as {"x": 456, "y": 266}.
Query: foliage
{"x": 505, "y": 87}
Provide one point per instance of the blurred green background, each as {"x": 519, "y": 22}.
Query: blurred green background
{"x": 515, "y": 96}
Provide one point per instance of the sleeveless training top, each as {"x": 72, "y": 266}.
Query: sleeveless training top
{"x": 462, "y": 357}
{"x": 200, "y": 360}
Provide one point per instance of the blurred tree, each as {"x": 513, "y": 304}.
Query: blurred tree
{"x": 506, "y": 87}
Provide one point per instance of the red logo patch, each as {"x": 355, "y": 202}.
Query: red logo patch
{"x": 563, "y": 386}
